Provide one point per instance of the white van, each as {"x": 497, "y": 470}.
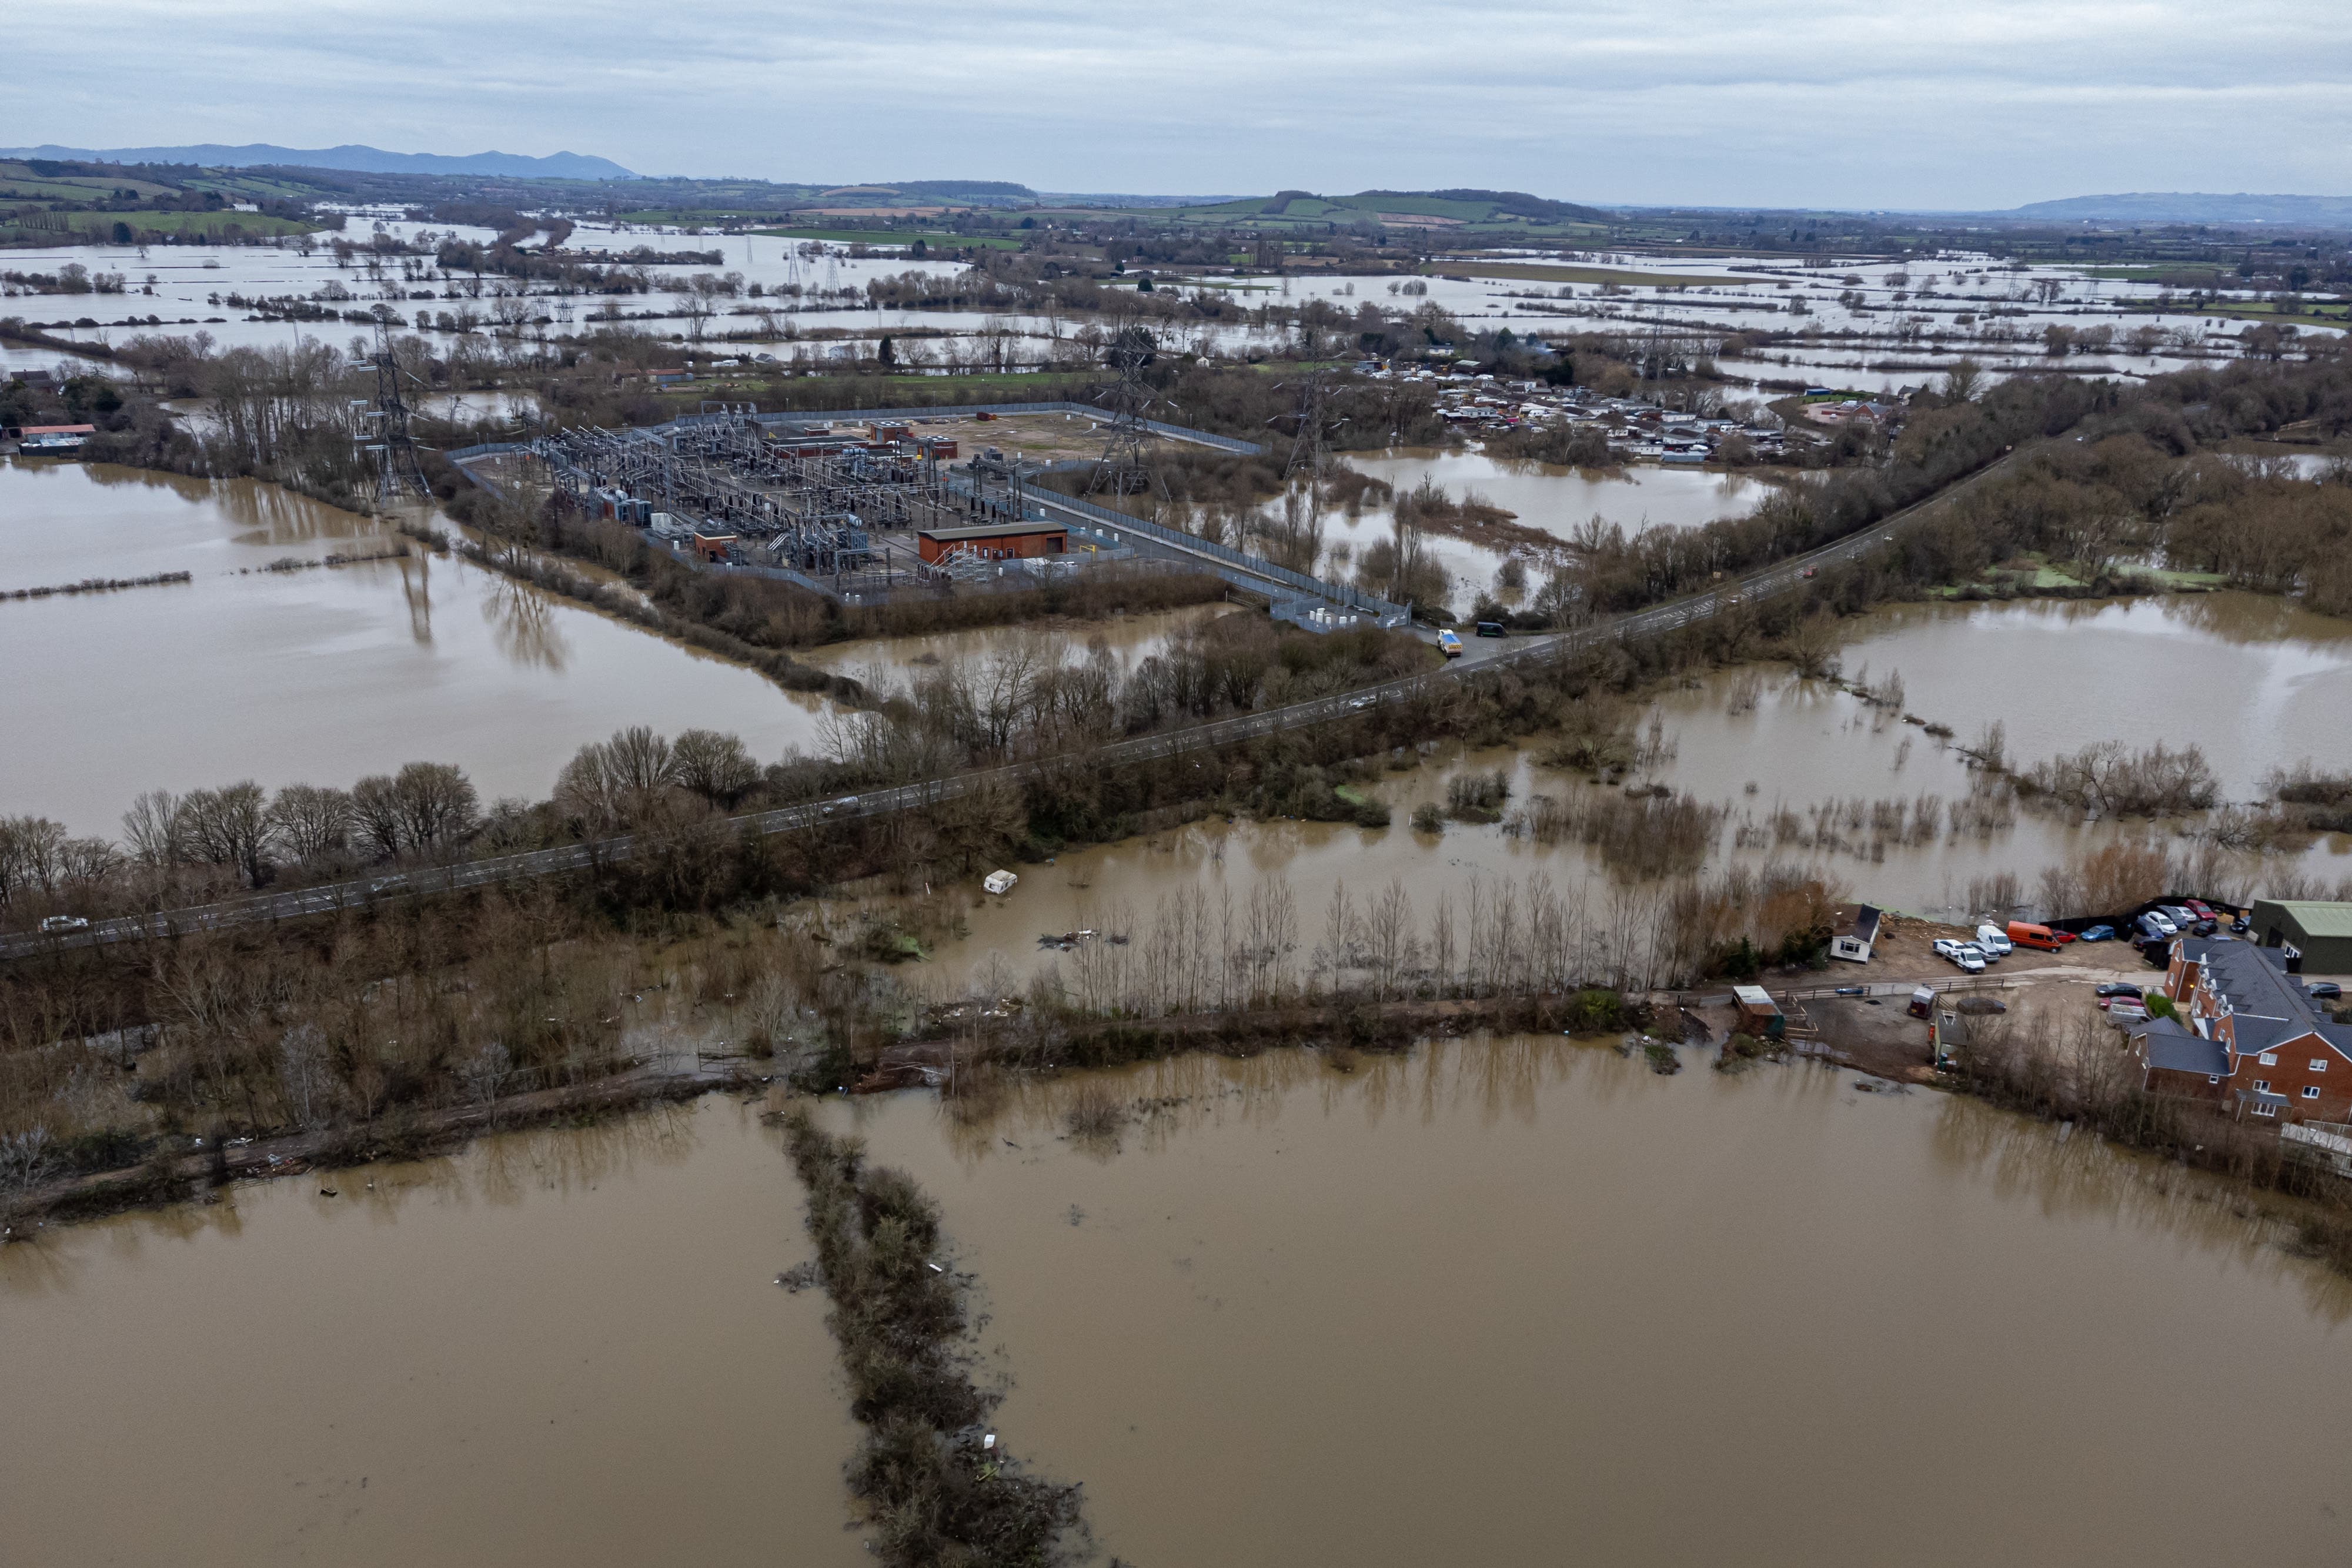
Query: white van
{"x": 1994, "y": 943}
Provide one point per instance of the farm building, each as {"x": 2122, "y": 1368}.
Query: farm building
{"x": 2321, "y": 933}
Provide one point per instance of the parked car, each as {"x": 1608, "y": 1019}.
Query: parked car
{"x": 2025, "y": 934}
{"x": 1946, "y": 946}
{"x": 1992, "y": 944}
{"x": 2123, "y": 1013}
{"x": 2153, "y": 923}
{"x": 2118, "y": 989}
{"x": 2202, "y": 910}
{"x": 1449, "y": 644}
{"x": 2098, "y": 934}
{"x": 1970, "y": 957}
{"x": 64, "y": 923}
{"x": 2326, "y": 990}
{"x": 1490, "y": 629}
{"x": 2186, "y": 919}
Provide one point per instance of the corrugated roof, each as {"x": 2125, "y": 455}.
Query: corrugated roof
{"x": 2318, "y": 919}
{"x": 998, "y": 531}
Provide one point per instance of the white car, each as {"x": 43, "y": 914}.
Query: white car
{"x": 1945, "y": 947}
{"x": 65, "y": 923}
{"x": 1969, "y": 957}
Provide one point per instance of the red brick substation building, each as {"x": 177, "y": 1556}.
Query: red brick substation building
{"x": 994, "y": 541}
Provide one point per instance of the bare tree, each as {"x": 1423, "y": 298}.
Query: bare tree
{"x": 309, "y": 821}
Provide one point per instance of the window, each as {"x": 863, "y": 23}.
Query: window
{"x": 2319, "y": 1064}
{"x": 2265, "y": 1110}
{"x": 2262, "y": 1085}
{"x": 2212, "y": 1077}
{"x": 2311, "y": 1092}
{"x": 2270, "y": 1059}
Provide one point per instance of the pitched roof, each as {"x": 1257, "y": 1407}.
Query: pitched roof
{"x": 2317, "y": 919}
{"x": 2163, "y": 1043}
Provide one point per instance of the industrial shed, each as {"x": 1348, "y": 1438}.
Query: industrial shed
{"x": 2322, "y": 933}
{"x": 997, "y": 541}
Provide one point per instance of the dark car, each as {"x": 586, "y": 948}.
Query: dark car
{"x": 2118, "y": 989}
{"x": 2241, "y": 926}
{"x": 2326, "y": 990}
{"x": 1490, "y": 629}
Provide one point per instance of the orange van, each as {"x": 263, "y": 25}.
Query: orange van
{"x": 2040, "y": 936}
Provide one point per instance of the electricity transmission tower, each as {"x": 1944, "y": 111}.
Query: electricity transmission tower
{"x": 1311, "y": 448}
{"x": 1121, "y": 469}
{"x": 397, "y": 470}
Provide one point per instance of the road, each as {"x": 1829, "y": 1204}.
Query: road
{"x": 1781, "y": 578}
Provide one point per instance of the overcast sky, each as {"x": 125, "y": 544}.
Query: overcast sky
{"x": 1870, "y": 103}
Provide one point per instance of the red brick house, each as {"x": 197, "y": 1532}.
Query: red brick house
{"x": 2249, "y": 1036}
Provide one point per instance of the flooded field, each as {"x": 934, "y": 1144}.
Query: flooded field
{"x": 1464, "y": 1304}
{"x": 1129, "y": 638}
{"x": 317, "y": 674}
{"x": 2267, "y": 675}
{"x": 1495, "y": 1298}
{"x": 557, "y": 1348}
{"x": 1557, "y": 498}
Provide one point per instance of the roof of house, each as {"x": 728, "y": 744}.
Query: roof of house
{"x": 2268, "y": 1005}
{"x": 1858, "y": 920}
{"x": 61, "y": 430}
{"x": 993, "y": 531}
{"x": 2317, "y": 919}
{"x": 2165, "y": 1043}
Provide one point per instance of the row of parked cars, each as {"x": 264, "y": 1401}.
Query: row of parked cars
{"x": 1991, "y": 945}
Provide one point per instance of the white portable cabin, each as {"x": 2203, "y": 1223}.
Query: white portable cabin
{"x": 999, "y": 881}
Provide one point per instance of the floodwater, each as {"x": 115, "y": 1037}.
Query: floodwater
{"x": 2257, "y": 682}
{"x": 319, "y": 676}
{"x": 2263, "y": 677}
{"x": 1464, "y": 1304}
{"x": 1557, "y": 498}
{"x": 885, "y": 662}
{"x": 557, "y": 1348}
{"x": 1523, "y": 1301}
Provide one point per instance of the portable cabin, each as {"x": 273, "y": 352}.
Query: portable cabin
{"x": 999, "y": 882}
{"x": 1759, "y": 1013}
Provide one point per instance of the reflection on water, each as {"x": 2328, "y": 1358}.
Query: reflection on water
{"x": 1475, "y": 1301}
{"x": 319, "y": 675}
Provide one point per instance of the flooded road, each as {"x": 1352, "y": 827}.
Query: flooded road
{"x": 316, "y": 676}
{"x": 1526, "y": 1301}
{"x": 559, "y": 1348}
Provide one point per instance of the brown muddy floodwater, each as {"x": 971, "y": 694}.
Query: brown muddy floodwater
{"x": 317, "y": 676}
{"x": 1503, "y": 1300}
{"x": 557, "y": 1348}
{"x": 1526, "y": 1301}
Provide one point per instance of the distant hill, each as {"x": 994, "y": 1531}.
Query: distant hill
{"x": 359, "y": 160}
{"x": 1513, "y": 203}
{"x": 2187, "y": 207}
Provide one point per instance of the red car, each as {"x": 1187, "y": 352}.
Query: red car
{"x": 2202, "y": 911}
{"x": 2064, "y": 936}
